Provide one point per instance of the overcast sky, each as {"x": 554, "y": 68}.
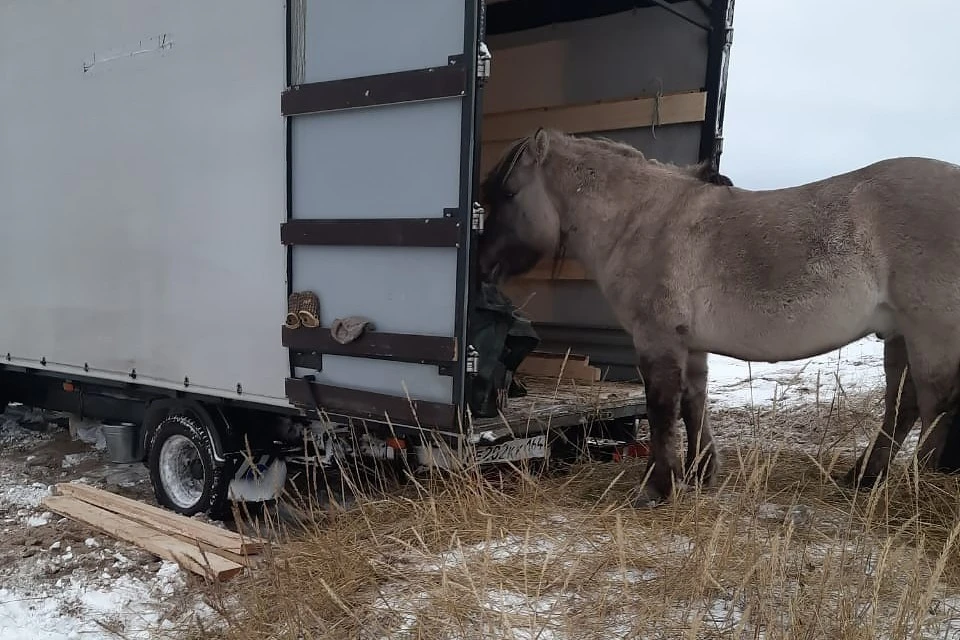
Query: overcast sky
{"x": 824, "y": 86}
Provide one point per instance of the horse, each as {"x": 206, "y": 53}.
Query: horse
{"x": 691, "y": 264}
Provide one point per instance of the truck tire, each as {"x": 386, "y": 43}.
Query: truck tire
{"x": 185, "y": 475}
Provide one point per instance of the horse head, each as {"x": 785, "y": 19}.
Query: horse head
{"x": 522, "y": 224}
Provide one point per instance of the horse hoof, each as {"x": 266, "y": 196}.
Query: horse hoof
{"x": 705, "y": 475}
{"x": 645, "y": 501}
{"x": 650, "y": 498}
{"x": 853, "y": 480}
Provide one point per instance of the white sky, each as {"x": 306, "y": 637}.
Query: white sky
{"x": 818, "y": 87}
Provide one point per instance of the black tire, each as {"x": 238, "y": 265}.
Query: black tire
{"x": 185, "y": 475}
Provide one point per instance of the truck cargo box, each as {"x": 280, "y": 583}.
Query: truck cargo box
{"x": 175, "y": 177}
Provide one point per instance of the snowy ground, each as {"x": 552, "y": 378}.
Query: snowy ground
{"x": 855, "y": 367}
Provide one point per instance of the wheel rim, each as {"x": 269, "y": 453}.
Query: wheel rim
{"x": 181, "y": 471}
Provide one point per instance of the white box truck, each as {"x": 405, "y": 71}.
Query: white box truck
{"x": 172, "y": 171}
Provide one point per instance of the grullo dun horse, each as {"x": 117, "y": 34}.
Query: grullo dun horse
{"x": 691, "y": 265}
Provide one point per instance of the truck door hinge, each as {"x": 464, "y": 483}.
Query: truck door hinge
{"x": 483, "y": 63}
{"x": 473, "y": 359}
{"x": 476, "y": 218}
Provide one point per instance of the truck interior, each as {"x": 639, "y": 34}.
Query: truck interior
{"x": 649, "y": 73}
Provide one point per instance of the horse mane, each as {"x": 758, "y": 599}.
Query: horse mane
{"x": 492, "y": 185}
{"x": 704, "y": 171}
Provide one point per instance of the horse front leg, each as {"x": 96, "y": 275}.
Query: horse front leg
{"x": 663, "y": 385}
{"x": 702, "y": 461}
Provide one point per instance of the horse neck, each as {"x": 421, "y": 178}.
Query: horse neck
{"x": 594, "y": 211}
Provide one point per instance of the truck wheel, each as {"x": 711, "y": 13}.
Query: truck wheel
{"x": 186, "y": 478}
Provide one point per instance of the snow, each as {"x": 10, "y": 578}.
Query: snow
{"x": 24, "y": 495}
{"x": 40, "y": 520}
{"x": 71, "y": 609}
{"x": 55, "y": 585}
{"x": 90, "y": 432}
{"x": 737, "y": 383}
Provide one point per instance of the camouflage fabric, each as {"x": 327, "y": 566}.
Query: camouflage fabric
{"x": 503, "y": 338}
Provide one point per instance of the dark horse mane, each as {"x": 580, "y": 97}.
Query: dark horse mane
{"x": 491, "y": 189}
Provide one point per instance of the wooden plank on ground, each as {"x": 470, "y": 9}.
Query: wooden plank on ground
{"x": 611, "y": 115}
{"x": 160, "y": 544}
{"x": 249, "y": 561}
{"x": 163, "y": 520}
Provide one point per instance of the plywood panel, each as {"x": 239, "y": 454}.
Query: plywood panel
{"x": 527, "y": 76}
{"x": 638, "y": 52}
{"x": 630, "y": 113}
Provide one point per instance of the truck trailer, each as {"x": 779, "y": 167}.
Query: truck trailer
{"x": 241, "y": 225}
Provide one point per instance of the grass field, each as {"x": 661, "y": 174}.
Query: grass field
{"x": 778, "y": 550}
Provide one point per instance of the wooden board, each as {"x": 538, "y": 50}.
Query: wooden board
{"x": 568, "y": 269}
{"x": 249, "y": 561}
{"x": 613, "y": 115}
{"x": 551, "y": 365}
{"x": 163, "y": 520}
{"x": 552, "y": 404}
{"x": 569, "y": 357}
{"x": 160, "y": 544}
{"x": 500, "y": 129}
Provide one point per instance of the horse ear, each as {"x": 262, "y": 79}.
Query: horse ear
{"x": 540, "y": 144}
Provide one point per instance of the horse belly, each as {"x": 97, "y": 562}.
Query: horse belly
{"x": 771, "y": 334}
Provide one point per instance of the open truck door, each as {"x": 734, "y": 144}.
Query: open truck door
{"x": 381, "y": 108}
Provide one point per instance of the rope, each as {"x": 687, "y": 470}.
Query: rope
{"x": 657, "y": 101}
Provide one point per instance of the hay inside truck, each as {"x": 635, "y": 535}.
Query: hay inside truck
{"x": 175, "y": 177}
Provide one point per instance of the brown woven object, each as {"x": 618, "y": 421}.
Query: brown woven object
{"x": 309, "y": 310}
{"x": 293, "y": 304}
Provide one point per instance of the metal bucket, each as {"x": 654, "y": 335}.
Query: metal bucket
{"x": 123, "y": 442}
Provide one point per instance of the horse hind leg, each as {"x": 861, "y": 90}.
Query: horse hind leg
{"x": 702, "y": 461}
{"x": 900, "y": 413}
{"x": 934, "y": 365}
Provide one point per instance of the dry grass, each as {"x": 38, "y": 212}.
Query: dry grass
{"x": 776, "y": 551}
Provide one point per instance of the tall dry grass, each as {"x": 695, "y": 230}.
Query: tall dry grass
{"x": 778, "y": 550}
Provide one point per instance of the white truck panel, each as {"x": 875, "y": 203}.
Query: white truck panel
{"x": 142, "y": 187}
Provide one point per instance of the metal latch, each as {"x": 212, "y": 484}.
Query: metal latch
{"x": 473, "y": 359}
{"x": 476, "y": 219}
{"x": 483, "y": 63}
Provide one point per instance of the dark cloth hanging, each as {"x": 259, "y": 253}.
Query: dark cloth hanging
{"x": 502, "y": 338}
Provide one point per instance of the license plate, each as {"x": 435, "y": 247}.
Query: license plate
{"x": 514, "y": 450}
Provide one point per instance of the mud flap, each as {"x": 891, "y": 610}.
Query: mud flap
{"x": 258, "y": 481}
